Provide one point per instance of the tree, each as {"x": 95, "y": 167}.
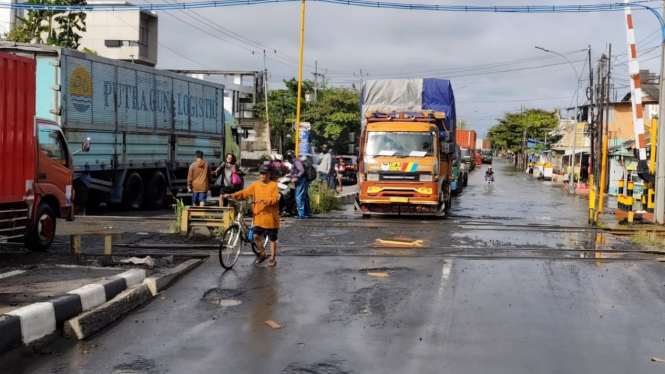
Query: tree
{"x": 507, "y": 135}
{"x": 61, "y": 28}
{"x": 333, "y": 116}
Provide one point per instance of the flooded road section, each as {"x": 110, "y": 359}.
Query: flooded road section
{"x": 513, "y": 281}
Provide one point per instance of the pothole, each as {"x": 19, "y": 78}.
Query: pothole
{"x": 215, "y": 294}
{"x": 139, "y": 366}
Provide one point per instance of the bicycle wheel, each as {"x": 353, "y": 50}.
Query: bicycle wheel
{"x": 229, "y": 248}
{"x": 266, "y": 246}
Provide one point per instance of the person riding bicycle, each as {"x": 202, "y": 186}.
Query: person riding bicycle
{"x": 489, "y": 174}
{"x": 265, "y": 194}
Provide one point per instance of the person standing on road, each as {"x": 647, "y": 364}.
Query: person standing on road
{"x": 302, "y": 185}
{"x": 198, "y": 180}
{"x": 340, "y": 167}
{"x": 324, "y": 166}
{"x": 265, "y": 194}
{"x": 566, "y": 181}
{"x": 332, "y": 173}
{"x": 231, "y": 181}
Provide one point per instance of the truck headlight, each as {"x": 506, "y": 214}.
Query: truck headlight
{"x": 372, "y": 177}
{"x": 426, "y": 178}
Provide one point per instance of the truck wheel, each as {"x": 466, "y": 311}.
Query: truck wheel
{"x": 133, "y": 192}
{"x": 41, "y": 234}
{"x": 156, "y": 191}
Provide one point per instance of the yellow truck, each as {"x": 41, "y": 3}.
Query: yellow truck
{"x": 406, "y": 164}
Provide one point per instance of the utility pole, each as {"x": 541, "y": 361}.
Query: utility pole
{"x": 316, "y": 80}
{"x": 590, "y": 120}
{"x": 659, "y": 208}
{"x": 361, "y": 77}
{"x": 602, "y": 76}
{"x": 265, "y": 89}
{"x": 524, "y": 141}
{"x": 607, "y": 116}
{"x": 299, "y": 97}
{"x": 281, "y": 131}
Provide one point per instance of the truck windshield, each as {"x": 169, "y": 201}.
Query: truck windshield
{"x": 487, "y": 152}
{"x": 400, "y": 144}
{"x": 465, "y": 152}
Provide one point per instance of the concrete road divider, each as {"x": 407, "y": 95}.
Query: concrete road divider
{"x": 33, "y": 322}
{"x": 85, "y": 310}
{"x": 158, "y": 283}
{"x": 86, "y": 324}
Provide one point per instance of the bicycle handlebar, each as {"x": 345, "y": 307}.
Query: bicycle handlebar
{"x": 240, "y": 201}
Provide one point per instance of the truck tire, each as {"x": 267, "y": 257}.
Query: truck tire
{"x": 156, "y": 191}
{"x": 133, "y": 192}
{"x": 40, "y": 236}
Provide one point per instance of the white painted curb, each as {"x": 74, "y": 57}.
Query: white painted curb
{"x": 91, "y": 295}
{"x": 37, "y": 321}
{"x": 132, "y": 277}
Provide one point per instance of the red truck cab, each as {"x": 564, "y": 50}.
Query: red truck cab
{"x": 35, "y": 162}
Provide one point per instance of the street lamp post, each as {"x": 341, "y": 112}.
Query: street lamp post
{"x": 577, "y": 96}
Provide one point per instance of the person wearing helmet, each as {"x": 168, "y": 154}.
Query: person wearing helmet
{"x": 489, "y": 174}
{"x": 276, "y": 167}
{"x": 302, "y": 185}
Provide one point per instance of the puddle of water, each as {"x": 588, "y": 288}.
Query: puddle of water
{"x": 227, "y": 303}
{"x": 399, "y": 243}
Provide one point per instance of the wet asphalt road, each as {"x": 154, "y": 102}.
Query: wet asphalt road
{"x": 472, "y": 297}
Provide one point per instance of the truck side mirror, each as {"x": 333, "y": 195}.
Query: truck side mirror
{"x": 245, "y": 134}
{"x": 85, "y": 145}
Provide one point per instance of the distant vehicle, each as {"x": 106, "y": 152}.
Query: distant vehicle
{"x": 466, "y": 158}
{"x": 487, "y": 156}
{"x": 36, "y": 168}
{"x": 478, "y": 158}
{"x": 460, "y": 173}
{"x": 350, "y": 172}
{"x": 467, "y": 139}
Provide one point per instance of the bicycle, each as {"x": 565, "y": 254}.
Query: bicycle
{"x": 235, "y": 236}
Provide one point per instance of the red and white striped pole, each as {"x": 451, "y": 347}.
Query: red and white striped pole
{"x": 635, "y": 85}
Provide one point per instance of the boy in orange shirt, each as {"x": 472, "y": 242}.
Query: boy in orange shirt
{"x": 265, "y": 194}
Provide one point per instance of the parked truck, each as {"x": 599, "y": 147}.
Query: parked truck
{"x": 487, "y": 152}
{"x": 145, "y": 123}
{"x": 36, "y": 167}
{"x": 467, "y": 139}
{"x": 460, "y": 172}
{"x": 407, "y": 147}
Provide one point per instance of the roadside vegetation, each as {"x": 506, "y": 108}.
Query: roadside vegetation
{"x": 178, "y": 207}
{"x": 322, "y": 201}
{"x": 649, "y": 239}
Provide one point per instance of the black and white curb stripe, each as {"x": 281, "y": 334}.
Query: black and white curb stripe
{"x": 35, "y": 321}
{"x": 348, "y": 197}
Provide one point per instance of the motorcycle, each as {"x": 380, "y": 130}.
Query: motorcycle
{"x": 287, "y": 195}
{"x": 489, "y": 181}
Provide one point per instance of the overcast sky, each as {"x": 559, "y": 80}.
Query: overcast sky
{"x": 468, "y": 48}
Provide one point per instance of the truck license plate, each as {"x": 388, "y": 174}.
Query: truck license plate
{"x": 399, "y": 199}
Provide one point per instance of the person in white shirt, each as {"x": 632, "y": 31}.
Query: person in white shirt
{"x": 324, "y": 166}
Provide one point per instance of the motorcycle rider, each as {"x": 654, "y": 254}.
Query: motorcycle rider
{"x": 489, "y": 174}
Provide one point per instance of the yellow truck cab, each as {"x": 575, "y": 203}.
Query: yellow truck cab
{"x": 405, "y": 168}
